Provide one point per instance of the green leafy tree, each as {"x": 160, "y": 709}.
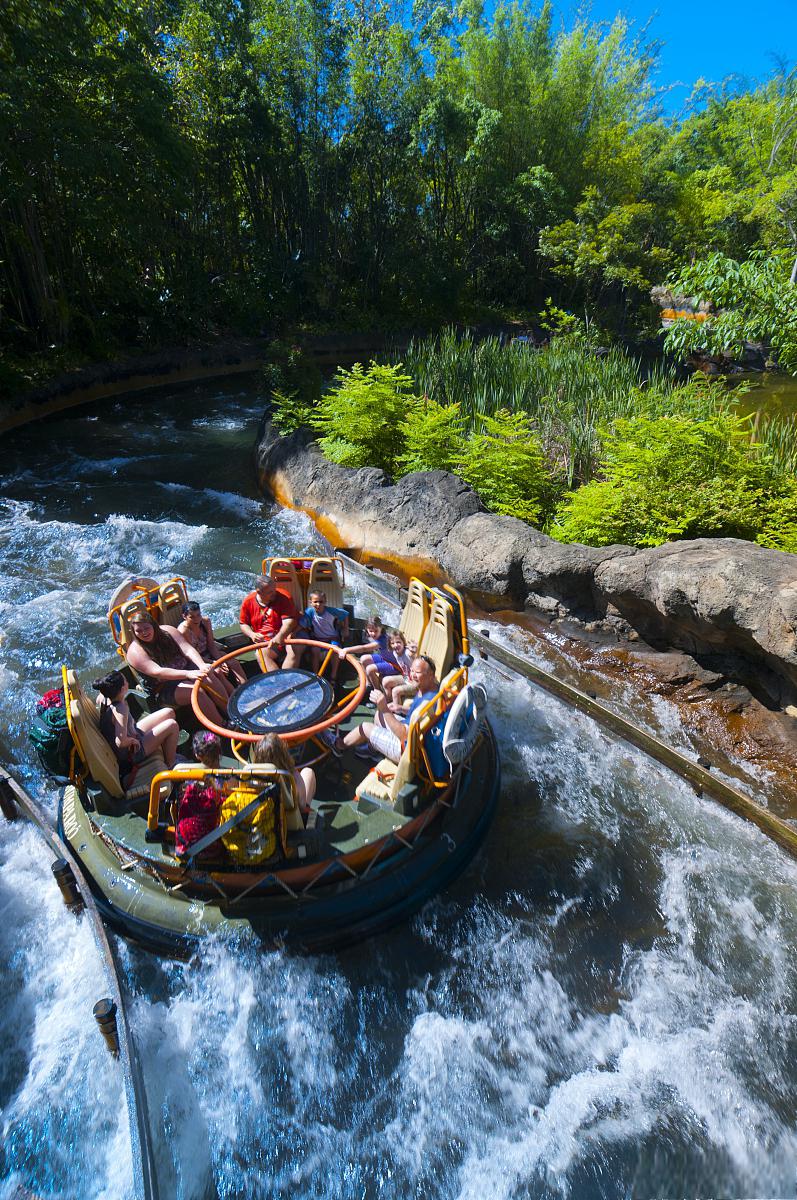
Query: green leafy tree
{"x": 361, "y": 418}
{"x": 755, "y": 301}
{"x": 673, "y": 477}
{"x": 504, "y": 463}
{"x": 433, "y": 436}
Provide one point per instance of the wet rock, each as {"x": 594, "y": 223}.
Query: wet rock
{"x": 720, "y": 599}
{"x": 729, "y": 604}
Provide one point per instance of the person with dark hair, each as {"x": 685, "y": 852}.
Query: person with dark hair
{"x": 272, "y": 749}
{"x": 169, "y": 665}
{"x": 133, "y": 741}
{"x": 387, "y": 735}
{"x": 267, "y": 618}
{"x": 201, "y": 799}
{"x": 198, "y": 632}
{"x": 325, "y": 624}
{"x": 206, "y": 748}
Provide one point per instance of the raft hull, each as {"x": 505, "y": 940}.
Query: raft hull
{"x": 137, "y": 904}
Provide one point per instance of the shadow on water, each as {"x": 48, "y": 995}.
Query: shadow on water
{"x": 603, "y": 1005}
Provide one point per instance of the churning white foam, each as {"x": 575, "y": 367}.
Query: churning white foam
{"x": 227, "y": 502}
{"x": 63, "y": 1111}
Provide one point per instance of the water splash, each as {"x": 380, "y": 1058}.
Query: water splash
{"x": 602, "y": 1006}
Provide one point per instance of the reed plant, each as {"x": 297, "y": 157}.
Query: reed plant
{"x": 569, "y": 389}
{"x": 777, "y": 437}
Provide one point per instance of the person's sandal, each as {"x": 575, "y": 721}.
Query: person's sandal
{"x": 332, "y": 740}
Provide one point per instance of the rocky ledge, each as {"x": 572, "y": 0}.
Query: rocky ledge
{"x": 730, "y": 605}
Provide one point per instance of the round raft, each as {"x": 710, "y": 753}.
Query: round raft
{"x": 381, "y": 837}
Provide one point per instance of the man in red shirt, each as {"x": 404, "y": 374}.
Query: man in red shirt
{"x": 267, "y": 617}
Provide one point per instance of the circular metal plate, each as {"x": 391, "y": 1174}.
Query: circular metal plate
{"x": 280, "y": 702}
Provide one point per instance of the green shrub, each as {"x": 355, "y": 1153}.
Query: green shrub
{"x": 291, "y": 411}
{"x": 433, "y": 436}
{"x": 505, "y": 465}
{"x": 674, "y": 477}
{"x": 361, "y": 418}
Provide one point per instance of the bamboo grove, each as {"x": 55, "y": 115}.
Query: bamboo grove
{"x": 180, "y": 167}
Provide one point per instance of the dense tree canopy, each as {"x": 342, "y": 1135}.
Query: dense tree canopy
{"x": 189, "y": 165}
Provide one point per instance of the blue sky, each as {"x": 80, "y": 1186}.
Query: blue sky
{"x": 708, "y": 39}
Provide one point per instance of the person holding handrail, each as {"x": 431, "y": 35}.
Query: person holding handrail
{"x": 267, "y": 618}
{"x": 169, "y": 665}
{"x": 387, "y": 734}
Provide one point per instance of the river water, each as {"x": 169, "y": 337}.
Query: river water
{"x": 602, "y": 1006}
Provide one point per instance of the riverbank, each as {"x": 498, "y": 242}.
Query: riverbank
{"x": 175, "y": 365}
{"x": 713, "y": 621}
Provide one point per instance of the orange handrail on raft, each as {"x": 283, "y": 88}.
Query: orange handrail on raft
{"x": 298, "y": 735}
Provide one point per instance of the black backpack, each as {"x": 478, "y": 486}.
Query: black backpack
{"x": 49, "y": 733}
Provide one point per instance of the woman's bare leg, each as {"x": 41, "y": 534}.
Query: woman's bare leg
{"x": 205, "y": 701}
{"x": 221, "y": 683}
{"x": 161, "y": 731}
{"x": 306, "y": 778}
{"x": 232, "y": 669}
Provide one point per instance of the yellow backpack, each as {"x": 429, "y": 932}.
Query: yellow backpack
{"x": 261, "y": 836}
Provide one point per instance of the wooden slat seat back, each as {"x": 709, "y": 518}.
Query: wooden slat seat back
{"x": 172, "y": 595}
{"x": 127, "y": 614}
{"x": 284, "y": 574}
{"x": 135, "y": 597}
{"x": 96, "y": 755}
{"x": 325, "y": 577}
{"x": 416, "y": 612}
{"x": 437, "y": 642}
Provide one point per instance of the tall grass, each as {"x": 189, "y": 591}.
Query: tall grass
{"x": 570, "y": 392}
{"x": 778, "y": 436}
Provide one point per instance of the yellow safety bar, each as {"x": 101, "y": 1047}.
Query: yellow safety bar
{"x": 428, "y": 716}
{"x": 255, "y": 771}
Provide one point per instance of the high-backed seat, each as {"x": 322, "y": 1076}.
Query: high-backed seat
{"x": 252, "y": 778}
{"x": 325, "y": 577}
{"x": 283, "y": 572}
{"x": 127, "y": 614}
{"x": 172, "y": 596}
{"x": 94, "y": 751}
{"x": 385, "y": 781}
{"x": 416, "y": 612}
{"x": 437, "y": 641}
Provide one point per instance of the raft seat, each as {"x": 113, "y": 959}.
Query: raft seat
{"x": 415, "y": 616}
{"x": 94, "y": 751}
{"x": 437, "y": 641}
{"x": 127, "y": 614}
{"x": 385, "y": 781}
{"x": 391, "y": 784}
{"x": 325, "y": 577}
{"x": 172, "y": 596}
{"x": 290, "y": 800}
{"x": 284, "y": 574}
